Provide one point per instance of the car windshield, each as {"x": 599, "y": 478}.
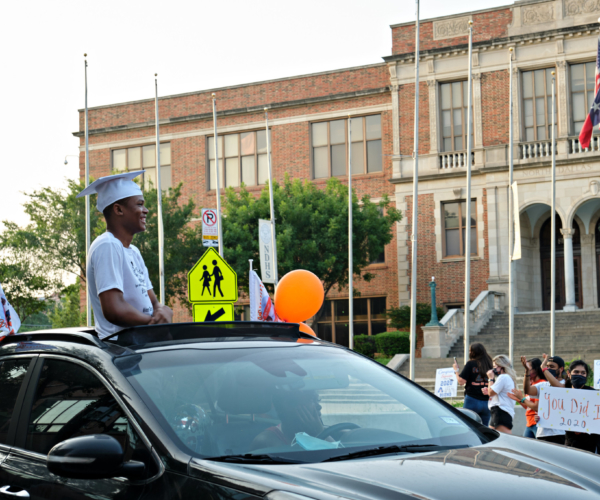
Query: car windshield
{"x": 302, "y": 403}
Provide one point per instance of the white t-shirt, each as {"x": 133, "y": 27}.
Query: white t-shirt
{"x": 110, "y": 265}
{"x": 543, "y": 431}
{"x": 503, "y": 385}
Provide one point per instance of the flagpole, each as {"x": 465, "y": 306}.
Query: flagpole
{"x": 350, "y": 256}
{"x": 219, "y": 219}
{"x": 415, "y": 207}
{"x": 467, "y": 249}
{"x": 553, "y": 229}
{"x": 511, "y": 217}
{"x": 271, "y": 202}
{"x": 161, "y": 234}
{"x": 88, "y": 304}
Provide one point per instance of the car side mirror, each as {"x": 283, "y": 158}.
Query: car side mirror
{"x": 97, "y": 456}
{"x": 471, "y": 414}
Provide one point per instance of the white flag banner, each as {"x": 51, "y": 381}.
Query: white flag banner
{"x": 597, "y": 374}
{"x": 261, "y": 305}
{"x": 576, "y": 410}
{"x": 266, "y": 251}
{"x": 9, "y": 320}
{"x": 517, "y": 232}
{"x": 446, "y": 384}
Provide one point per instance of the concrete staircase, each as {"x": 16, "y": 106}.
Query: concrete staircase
{"x": 577, "y": 336}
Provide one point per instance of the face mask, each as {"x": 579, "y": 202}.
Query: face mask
{"x": 532, "y": 376}
{"x": 578, "y": 381}
{"x": 553, "y": 372}
{"x": 497, "y": 371}
{"x": 308, "y": 442}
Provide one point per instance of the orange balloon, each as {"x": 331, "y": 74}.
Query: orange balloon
{"x": 307, "y": 329}
{"x": 299, "y": 296}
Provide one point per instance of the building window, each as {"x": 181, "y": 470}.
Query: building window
{"x": 330, "y": 145}
{"x": 455, "y": 214}
{"x": 144, "y": 158}
{"x": 369, "y": 319}
{"x": 582, "y": 93}
{"x": 454, "y": 106}
{"x": 537, "y": 104}
{"x": 242, "y": 158}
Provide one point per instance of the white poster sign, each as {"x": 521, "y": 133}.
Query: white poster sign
{"x": 210, "y": 230}
{"x": 575, "y": 410}
{"x": 266, "y": 251}
{"x": 517, "y": 246}
{"x": 597, "y": 373}
{"x": 446, "y": 384}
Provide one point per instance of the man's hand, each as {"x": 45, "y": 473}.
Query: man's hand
{"x": 526, "y": 364}
{"x": 162, "y": 314}
{"x": 545, "y": 362}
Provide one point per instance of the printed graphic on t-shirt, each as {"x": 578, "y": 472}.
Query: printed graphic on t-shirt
{"x": 478, "y": 379}
{"x": 141, "y": 284}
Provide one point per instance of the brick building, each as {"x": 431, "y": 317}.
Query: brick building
{"x": 308, "y": 118}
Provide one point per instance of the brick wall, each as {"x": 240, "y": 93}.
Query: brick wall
{"x": 486, "y": 26}
{"x": 450, "y": 276}
{"x": 495, "y": 91}
{"x": 406, "y": 96}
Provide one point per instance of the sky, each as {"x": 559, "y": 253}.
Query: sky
{"x": 191, "y": 45}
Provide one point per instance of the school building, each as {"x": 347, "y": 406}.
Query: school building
{"x": 308, "y": 122}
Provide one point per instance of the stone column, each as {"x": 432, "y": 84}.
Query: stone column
{"x": 394, "y": 88}
{"x": 569, "y": 270}
{"x": 588, "y": 255}
{"x": 562, "y": 99}
{"x": 433, "y": 116}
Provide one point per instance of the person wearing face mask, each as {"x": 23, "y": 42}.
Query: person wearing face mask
{"x": 501, "y": 381}
{"x": 533, "y": 372}
{"x": 552, "y": 368}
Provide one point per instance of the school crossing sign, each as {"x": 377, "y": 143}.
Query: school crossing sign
{"x": 212, "y": 288}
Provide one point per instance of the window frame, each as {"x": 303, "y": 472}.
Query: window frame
{"x": 21, "y": 395}
{"x": 465, "y": 109}
{"x": 332, "y": 320}
{"x": 142, "y": 146}
{"x": 596, "y": 131}
{"x": 211, "y": 139}
{"x": 547, "y": 96}
{"x": 460, "y": 228}
{"x": 345, "y": 143}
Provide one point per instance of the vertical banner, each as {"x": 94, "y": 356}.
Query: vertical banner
{"x": 516, "y": 255}
{"x": 446, "y": 384}
{"x": 210, "y": 231}
{"x": 266, "y": 251}
{"x": 597, "y": 374}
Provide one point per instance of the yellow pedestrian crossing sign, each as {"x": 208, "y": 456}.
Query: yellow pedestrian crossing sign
{"x": 213, "y": 311}
{"x": 212, "y": 280}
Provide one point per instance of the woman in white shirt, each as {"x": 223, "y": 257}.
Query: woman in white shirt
{"x": 502, "y": 380}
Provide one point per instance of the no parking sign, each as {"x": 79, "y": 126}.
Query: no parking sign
{"x": 210, "y": 230}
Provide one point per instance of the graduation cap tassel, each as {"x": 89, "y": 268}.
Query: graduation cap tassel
{"x": 161, "y": 236}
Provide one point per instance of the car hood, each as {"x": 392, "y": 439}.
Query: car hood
{"x": 506, "y": 468}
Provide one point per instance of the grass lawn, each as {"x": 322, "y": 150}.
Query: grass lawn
{"x": 384, "y": 360}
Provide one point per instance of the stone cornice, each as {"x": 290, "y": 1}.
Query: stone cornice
{"x": 237, "y": 111}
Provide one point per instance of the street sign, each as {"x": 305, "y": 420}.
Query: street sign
{"x": 210, "y": 230}
{"x": 215, "y": 311}
{"x": 212, "y": 280}
{"x": 266, "y": 251}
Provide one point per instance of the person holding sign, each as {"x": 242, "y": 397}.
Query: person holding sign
{"x": 473, "y": 377}
{"x": 501, "y": 381}
{"x": 119, "y": 285}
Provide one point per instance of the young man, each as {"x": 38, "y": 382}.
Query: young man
{"x": 120, "y": 289}
{"x": 552, "y": 368}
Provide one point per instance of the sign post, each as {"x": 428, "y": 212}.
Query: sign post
{"x": 212, "y": 288}
{"x": 210, "y": 230}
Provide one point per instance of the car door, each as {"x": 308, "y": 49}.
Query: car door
{"x": 66, "y": 399}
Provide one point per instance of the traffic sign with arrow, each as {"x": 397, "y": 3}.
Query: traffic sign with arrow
{"x": 213, "y": 312}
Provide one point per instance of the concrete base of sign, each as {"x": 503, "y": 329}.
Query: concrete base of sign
{"x": 397, "y": 361}
{"x": 434, "y": 340}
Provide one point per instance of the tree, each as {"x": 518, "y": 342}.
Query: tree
{"x": 56, "y": 235}
{"x": 312, "y": 230}
{"x": 400, "y": 316}
{"x": 67, "y": 313}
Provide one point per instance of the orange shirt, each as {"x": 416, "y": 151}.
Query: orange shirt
{"x": 529, "y": 413}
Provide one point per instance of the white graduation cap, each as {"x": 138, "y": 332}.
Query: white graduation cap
{"x": 113, "y": 188}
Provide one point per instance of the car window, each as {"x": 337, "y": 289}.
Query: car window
{"x": 12, "y": 374}
{"x": 219, "y": 402}
{"x": 71, "y": 401}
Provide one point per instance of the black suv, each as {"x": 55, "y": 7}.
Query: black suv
{"x": 246, "y": 411}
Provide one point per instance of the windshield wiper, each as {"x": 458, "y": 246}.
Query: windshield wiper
{"x": 249, "y": 458}
{"x": 387, "y": 450}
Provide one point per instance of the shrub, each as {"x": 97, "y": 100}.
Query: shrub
{"x": 365, "y": 345}
{"x": 400, "y": 316}
{"x": 392, "y": 343}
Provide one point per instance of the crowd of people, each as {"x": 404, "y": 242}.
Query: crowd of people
{"x": 491, "y": 391}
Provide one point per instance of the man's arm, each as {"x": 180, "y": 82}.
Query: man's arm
{"x": 161, "y": 314}
{"x": 118, "y": 312}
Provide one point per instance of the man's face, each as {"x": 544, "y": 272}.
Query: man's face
{"x": 133, "y": 213}
{"x": 554, "y": 366}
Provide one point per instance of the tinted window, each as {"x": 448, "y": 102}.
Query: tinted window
{"x": 12, "y": 373}
{"x": 71, "y": 401}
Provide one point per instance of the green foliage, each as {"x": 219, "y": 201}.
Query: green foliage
{"x": 392, "y": 343}
{"x": 312, "y": 230}
{"x": 67, "y": 313}
{"x": 365, "y": 344}
{"x": 400, "y": 316}
{"x": 37, "y": 321}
